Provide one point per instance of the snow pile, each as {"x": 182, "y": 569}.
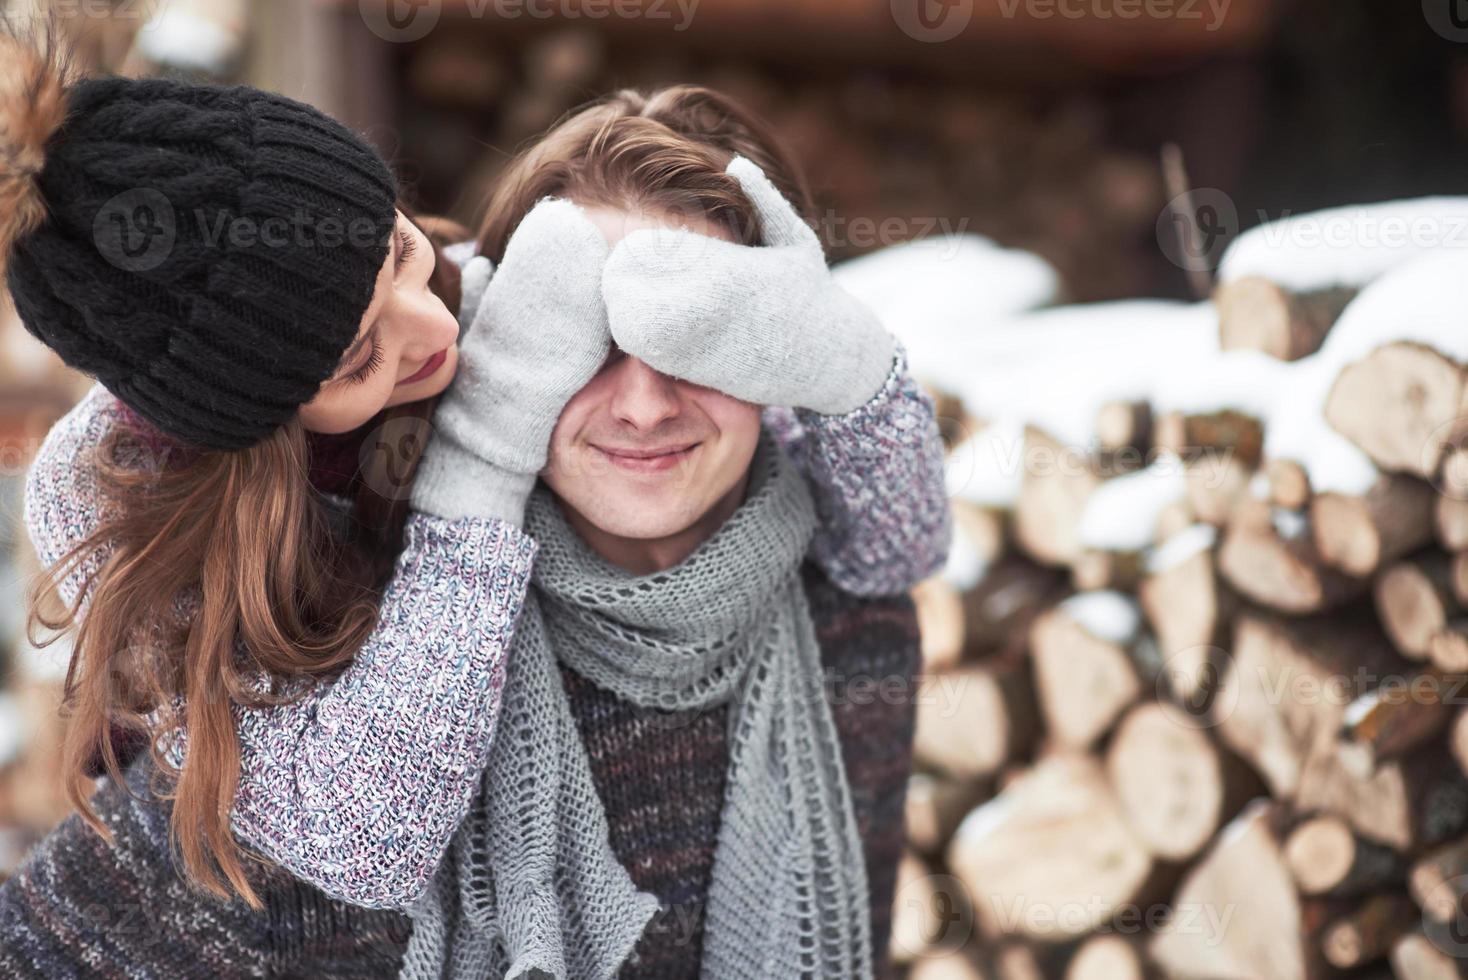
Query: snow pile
{"x": 195, "y": 39}
{"x": 1180, "y": 547}
{"x": 987, "y": 468}
{"x": 1055, "y": 368}
{"x": 1122, "y": 514}
{"x": 1346, "y": 246}
{"x": 1106, "y": 614}
{"x": 965, "y": 568}
{"x": 934, "y": 292}
{"x": 968, "y": 317}
{"x": 14, "y": 732}
{"x": 1423, "y": 301}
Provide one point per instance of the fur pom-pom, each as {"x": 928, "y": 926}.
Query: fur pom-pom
{"x": 34, "y": 75}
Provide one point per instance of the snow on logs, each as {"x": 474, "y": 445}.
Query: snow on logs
{"x": 1194, "y": 675}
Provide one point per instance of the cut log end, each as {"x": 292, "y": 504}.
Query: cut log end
{"x": 1107, "y": 958}
{"x": 1320, "y": 853}
{"x": 1397, "y": 404}
{"x": 1170, "y": 779}
{"x": 1414, "y": 600}
{"x": 1369, "y": 932}
{"x": 1256, "y": 314}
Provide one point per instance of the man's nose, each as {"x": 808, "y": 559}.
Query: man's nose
{"x": 641, "y": 396}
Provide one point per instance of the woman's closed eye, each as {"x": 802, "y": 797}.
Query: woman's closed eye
{"x": 407, "y": 245}
{"x": 374, "y": 361}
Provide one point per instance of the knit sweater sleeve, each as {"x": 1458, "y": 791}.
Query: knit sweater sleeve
{"x": 358, "y": 787}
{"x": 877, "y": 477}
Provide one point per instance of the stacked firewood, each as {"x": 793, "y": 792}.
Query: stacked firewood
{"x": 892, "y": 156}
{"x": 1194, "y": 679}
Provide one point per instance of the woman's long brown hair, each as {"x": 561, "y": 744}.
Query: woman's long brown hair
{"x": 248, "y": 534}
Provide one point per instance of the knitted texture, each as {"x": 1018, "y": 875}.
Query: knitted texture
{"x": 208, "y": 252}
{"x": 537, "y": 336}
{"x": 538, "y": 886}
{"x": 880, "y": 484}
{"x": 662, "y": 775}
{"x": 364, "y": 811}
{"x": 79, "y": 908}
{"x": 766, "y": 324}
{"x": 358, "y": 785}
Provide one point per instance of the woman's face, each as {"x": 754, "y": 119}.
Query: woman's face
{"x": 404, "y": 350}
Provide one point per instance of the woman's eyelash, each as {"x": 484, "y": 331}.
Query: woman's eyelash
{"x": 407, "y": 245}
{"x": 374, "y": 361}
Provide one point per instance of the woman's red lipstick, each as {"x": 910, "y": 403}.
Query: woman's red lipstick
{"x": 431, "y": 365}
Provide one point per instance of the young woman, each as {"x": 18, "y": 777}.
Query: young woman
{"x": 357, "y": 781}
{"x": 231, "y": 266}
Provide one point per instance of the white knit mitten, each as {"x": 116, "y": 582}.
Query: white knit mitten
{"x": 766, "y": 324}
{"x": 538, "y": 335}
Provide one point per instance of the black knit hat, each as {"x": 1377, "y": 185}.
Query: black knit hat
{"x": 206, "y": 252}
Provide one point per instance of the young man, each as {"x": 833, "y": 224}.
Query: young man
{"x": 700, "y": 756}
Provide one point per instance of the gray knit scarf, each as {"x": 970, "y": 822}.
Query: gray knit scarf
{"x": 531, "y": 886}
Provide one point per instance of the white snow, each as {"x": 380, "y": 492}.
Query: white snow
{"x": 987, "y": 468}
{"x": 968, "y": 317}
{"x": 965, "y": 567}
{"x": 1289, "y": 523}
{"x": 1259, "y": 485}
{"x": 1245, "y": 381}
{"x": 1422, "y": 301}
{"x": 44, "y": 664}
{"x": 1122, "y": 514}
{"x": 13, "y": 728}
{"x": 1056, "y": 368}
{"x": 1181, "y": 546}
{"x": 984, "y": 819}
{"x": 184, "y": 38}
{"x": 1105, "y": 614}
{"x": 934, "y": 292}
{"x": 1346, "y": 246}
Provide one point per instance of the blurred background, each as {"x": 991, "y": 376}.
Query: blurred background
{"x": 1107, "y": 149}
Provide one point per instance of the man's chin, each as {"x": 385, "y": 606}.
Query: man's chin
{"x": 639, "y": 520}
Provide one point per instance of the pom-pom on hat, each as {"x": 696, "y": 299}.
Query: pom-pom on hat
{"x": 206, "y": 252}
